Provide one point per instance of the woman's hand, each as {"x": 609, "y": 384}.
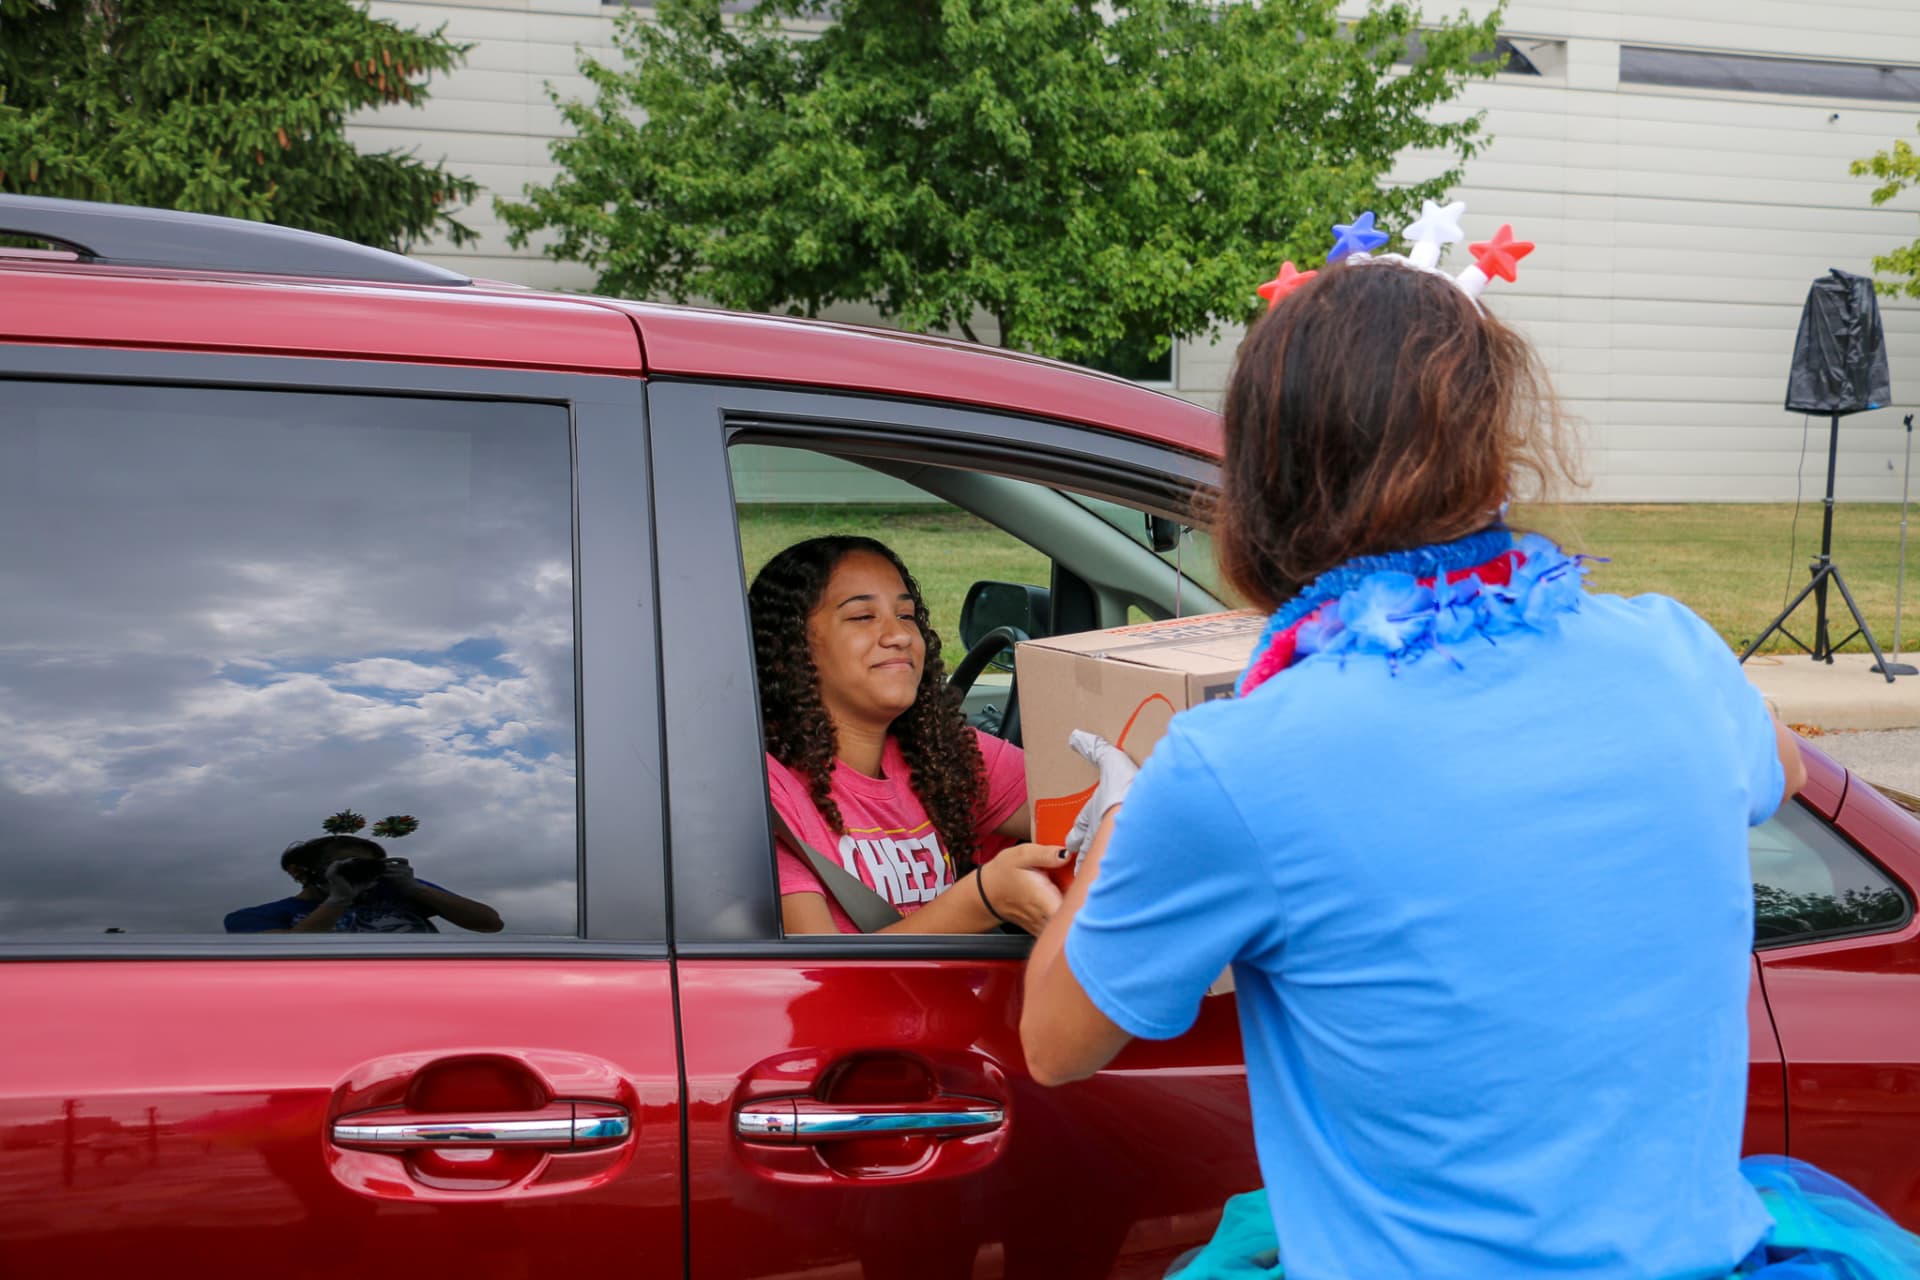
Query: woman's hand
{"x": 1017, "y": 884}
{"x": 1015, "y": 881}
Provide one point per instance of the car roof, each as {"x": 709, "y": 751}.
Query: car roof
{"x": 65, "y": 300}
{"x": 692, "y": 342}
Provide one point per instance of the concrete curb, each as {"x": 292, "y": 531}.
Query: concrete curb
{"x": 1843, "y": 694}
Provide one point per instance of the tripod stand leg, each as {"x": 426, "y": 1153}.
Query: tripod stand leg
{"x": 1779, "y": 623}
{"x": 1822, "y": 639}
{"x": 1879, "y": 661}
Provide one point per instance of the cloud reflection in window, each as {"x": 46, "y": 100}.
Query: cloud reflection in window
{"x": 232, "y": 613}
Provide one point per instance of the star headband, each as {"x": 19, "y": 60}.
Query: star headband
{"x": 392, "y": 827}
{"x": 1438, "y": 225}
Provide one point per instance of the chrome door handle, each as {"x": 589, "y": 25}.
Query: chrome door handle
{"x": 564, "y": 1126}
{"x": 789, "y": 1120}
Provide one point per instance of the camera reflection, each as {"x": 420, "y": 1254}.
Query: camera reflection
{"x": 350, "y": 884}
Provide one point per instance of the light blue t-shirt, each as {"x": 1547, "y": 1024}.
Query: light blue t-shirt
{"x": 1490, "y": 928}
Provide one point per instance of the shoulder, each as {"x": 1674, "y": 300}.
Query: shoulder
{"x": 791, "y": 796}
{"x": 1654, "y": 621}
{"x": 1210, "y": 731}
{"x": 1195, "y": 757}
{"x": 784, "y": 785}
{"x": 997, "y": 753}
{"x": 1649, "y": 610}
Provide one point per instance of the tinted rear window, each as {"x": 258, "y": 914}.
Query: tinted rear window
{"x": 231, "y": 615}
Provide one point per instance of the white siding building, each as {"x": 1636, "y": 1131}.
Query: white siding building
{"x": 1683, "y": 194}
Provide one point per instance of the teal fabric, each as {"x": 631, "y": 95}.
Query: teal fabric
{"x": 1822, "y": 1230}
{"x": 1243, "y": 1246}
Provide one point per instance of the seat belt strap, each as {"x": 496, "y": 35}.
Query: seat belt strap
{"x": 869, "y": 911}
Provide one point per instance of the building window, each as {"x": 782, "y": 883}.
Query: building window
{"x": 1739, "y": 73}
{"x": 1515, "y": 60}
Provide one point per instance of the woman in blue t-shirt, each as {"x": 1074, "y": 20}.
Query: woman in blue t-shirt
{"x": 1472, "y": 839}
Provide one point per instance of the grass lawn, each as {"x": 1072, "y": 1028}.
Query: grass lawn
{"x": 1730, "y": 563}
{"x": 947, "y": 549}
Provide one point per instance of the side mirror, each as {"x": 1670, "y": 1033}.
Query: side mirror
{"x": 1163, "y": 534}
{"x": 1026, "y": 609}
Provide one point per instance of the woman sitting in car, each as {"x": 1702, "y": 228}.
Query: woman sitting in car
{"x": 871, "y": 763}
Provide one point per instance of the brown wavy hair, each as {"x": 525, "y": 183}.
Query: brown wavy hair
{"x": 940, "y": 749}
{"x": 1376, "y": 409}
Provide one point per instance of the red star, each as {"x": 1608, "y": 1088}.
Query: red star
{"x": 1498, "y": 256}
{"x": 1285, "y": 283}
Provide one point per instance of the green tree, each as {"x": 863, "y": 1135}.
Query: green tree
{"x": 1897, "y": 168}
{"x": 1090, "y": 174}
{"x": 233, "y": 107}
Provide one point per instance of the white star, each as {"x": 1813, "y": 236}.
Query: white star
{"x": 1438, "y": 225}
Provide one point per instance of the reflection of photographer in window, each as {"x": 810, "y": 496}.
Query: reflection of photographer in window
{"x": 349, "y": 885}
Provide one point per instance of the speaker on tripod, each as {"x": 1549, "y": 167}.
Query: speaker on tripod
{"x": 1839, "y": 368}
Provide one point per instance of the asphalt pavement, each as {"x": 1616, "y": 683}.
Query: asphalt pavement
{"x": 1849, "y": 711}
{"x": 1889, "y": 757}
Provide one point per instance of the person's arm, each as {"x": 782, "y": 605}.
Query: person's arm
{"x": 1065, "y": 1036}
{"x": 1173, "y": 889}
{"x": 432, "y": 900}
{"x": 341, "y": 895}
{"x": 454, "y": 909}
{"x": 1758, "y": 741}
{"x": 1015, "y": 882}
{"x": 1787, "y": 742}
{"x": 951, "y": 912}
{"x": 321, "y": 919}
{"x": 1003, "y": 801}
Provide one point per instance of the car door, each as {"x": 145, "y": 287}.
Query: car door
{"x": 786, "y": 1040}
{"x": 252, "y": 602}
{"x": 1839, "y": 954}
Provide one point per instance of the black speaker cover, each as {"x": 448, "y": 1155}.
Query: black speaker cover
{"x": 1840, "y": 357}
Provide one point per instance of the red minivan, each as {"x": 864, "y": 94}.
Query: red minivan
{"x": 296, "y": 534}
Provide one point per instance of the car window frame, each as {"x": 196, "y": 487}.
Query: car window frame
{"x": 726, "y": 899}
{"x": 621, "y": 871}
{"x": 1831, "y": 833}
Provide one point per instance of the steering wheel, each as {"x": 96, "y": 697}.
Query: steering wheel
{"x": 968, "y": 669}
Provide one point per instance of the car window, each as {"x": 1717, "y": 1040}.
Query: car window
{"x": 1192, "y": 552}
{"x": 785, "y": 495}
{"x": 953, "y": 528}
{"x": 1808, "y": 882}
{"x": 241, "y": 620}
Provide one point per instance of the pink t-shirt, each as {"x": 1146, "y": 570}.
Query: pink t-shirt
{"x": 890, "y": 843}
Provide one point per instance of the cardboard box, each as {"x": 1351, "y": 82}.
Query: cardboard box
{"x": 1125, "y": 684}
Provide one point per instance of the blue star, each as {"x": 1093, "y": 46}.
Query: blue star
{"x": 1360, "y": 237}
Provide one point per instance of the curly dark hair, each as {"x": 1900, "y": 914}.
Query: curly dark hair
{"x": 941, "y": 751}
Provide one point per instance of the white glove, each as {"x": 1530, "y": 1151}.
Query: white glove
{"x": 1117, "y": 771}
